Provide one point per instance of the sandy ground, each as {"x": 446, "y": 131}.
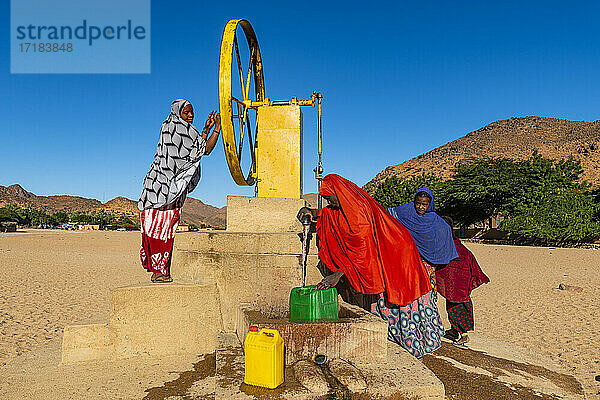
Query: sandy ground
{"x": 51, "y": 279}
{"x": 522, "y": 304}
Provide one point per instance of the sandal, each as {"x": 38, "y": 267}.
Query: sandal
{"x": 462, "y": 340}
{"x": 160, "y": 278}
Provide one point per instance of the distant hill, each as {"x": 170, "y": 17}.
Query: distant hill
{"x": 16, "y": 194}
{"x": 194, "y": 211}
{"x": 514, "y": 138}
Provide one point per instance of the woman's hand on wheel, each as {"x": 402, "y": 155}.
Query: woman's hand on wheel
{"x": 217, "y": 120}
{"x": 210, "y": 121}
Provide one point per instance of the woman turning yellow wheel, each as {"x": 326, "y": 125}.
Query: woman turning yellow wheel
{"x": 174, "y": 173}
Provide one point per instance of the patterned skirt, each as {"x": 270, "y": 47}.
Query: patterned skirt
{"x": 460, "y": 315}
{"x": 158, "y": 233}
{"x": 431, "y": 271}
{"x": 417, "y": 326}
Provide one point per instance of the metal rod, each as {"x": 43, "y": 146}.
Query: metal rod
{"x": 304, "y": 251}
{"x": 306, "y": 221}
{"x": 253, "y": 144}
{"x": 247, "y": 118}
{"x": 239, "y": 63}
{"x": 240, "y": 118}
{"x": 249, "y": 73}
{"x": 319, "y": 169}
{"x": 319, "y": 198}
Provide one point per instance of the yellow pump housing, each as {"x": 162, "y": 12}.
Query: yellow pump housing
{"x": 271, "y": 129}
{"x": 263, "y": 352}
{"x": 279, "y": 168}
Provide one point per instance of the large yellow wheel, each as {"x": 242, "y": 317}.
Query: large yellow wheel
{"x": 241, "y": 81}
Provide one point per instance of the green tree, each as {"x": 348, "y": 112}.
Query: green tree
{"x": 483, "y": 188}
{"x": 555, "y": 214}
{"x": 480, "y": 189}
{"x": 60, "y": 218}
{"x": 124, "y": 221}
{"x": 37, "y": 217}
{"x": 394, "y": 192}
{"x": 18, "y": 212}
{"x": 9, "y": 215}
{"x": 542, "y": 200}
{"x": 104, "y": 218}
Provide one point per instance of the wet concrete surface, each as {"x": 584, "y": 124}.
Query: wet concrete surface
{"x": 474, "y": 375}
{"x": 180, "y": 387}
{"x": 224, "y": 370}
{"x": 467, "y": 374}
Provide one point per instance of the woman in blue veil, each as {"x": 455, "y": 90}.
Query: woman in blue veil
{"x": 432, "y": 235}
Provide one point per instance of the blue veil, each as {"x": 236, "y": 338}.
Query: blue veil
{"x": 432, "y": 235}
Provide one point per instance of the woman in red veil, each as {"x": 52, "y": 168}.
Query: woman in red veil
{"x": 360, "y": 241}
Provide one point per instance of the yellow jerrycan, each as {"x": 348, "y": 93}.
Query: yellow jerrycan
{"x": 263, "y": 352}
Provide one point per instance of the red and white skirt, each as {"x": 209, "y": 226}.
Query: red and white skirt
{"x": 158, "y": 232}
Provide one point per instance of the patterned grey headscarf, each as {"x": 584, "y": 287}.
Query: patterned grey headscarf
{"x": 175, "y": 170}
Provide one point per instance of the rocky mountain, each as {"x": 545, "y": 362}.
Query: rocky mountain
{"x": 194, "y": 211}
{"x": 514, "y": 138}
{"x": 16, "y": 194}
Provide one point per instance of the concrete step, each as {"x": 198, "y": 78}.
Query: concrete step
{"x": 243, "y": 242}
{"x": 263, "y": 214}
{"x": 152, "y": 320}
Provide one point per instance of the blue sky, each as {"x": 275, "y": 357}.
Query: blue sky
{"x": 398, "y": 79}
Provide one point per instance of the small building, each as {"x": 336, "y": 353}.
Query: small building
{"x": 183, "y": 228}
{"x": 8, "y": 226}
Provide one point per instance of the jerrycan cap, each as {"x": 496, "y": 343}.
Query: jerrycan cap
{"x": 253, "y": 328}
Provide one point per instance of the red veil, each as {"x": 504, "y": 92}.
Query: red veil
{"x": 373, "y": 249}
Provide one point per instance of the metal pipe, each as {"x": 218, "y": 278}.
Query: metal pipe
{"x": 305, "y": 229}
{"x": 319, "y": 169}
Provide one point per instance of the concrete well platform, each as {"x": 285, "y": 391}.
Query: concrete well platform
{"x": 357, "y": 336}
{"x": 248, "y": 268}
{"x": 192, "y": 326}
{"x": 400, "y": 376}
{"x": 489, "y": 370}
{"x": 214, "y": 272}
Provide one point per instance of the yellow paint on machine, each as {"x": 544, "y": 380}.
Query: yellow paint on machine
{"x": 225, "y": 95}
{"x": 263, "y": 353}
{"x": 279, "y": 152}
